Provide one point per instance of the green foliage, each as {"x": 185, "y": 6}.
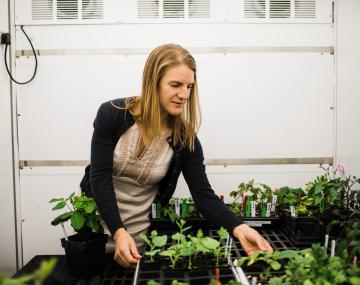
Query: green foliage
{"x": 315, "y": 266}
{"x": 290, "y": 196}
{"x": 154, "y": 242}
{"x": 326, "y": 191}
{"x": 36, "y": 278}
{"x": 82, "y": 213}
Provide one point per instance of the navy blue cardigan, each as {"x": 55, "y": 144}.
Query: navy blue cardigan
{"x": 110, "y": 123}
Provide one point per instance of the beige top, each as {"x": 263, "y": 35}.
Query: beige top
{"x": 136, "y": 178}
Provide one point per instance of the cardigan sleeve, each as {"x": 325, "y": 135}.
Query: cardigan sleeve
{"x": 101, "y": 168}
{"x": 207, "y": 202}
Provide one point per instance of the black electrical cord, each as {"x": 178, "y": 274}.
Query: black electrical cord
{"x": 36, "y": 62}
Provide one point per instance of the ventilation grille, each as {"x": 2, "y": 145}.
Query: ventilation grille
{"x": 42, "y": 9}
{"x": 148, "y": 9}
{"x": 173, "y": 9}
{"x": 254, "y": 8}
{"x": 279, "y": 9}
{"x": 305, "y": 8}
{"x": 67, "y": 9}
{"x": 199, "y": 9}
{"x": 92, "y": 9}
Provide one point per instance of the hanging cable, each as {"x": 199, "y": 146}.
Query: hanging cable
{"x": 36, "y": 62}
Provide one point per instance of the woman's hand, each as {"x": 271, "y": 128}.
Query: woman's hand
{"x": 251, "y": 240}
{"x": 126, "y": 252}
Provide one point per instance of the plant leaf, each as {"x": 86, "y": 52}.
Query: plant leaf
{"x": 77, "y": 220}
{"x": 62, "y": 218}
{"x": 59, "y": 205}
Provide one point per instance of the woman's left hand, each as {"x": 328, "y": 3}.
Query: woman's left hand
{"x": 251, "y": 240}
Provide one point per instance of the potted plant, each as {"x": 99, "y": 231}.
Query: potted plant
{"x": 85, "y": 251}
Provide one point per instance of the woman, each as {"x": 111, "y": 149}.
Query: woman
{"x": 139, "y": 147}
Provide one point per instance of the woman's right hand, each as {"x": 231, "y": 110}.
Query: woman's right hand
{"x": 126, "y": 252}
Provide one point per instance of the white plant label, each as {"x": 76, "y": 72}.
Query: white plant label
{"x": 274, "y": 200}
{"x": 240, "y": 200}
{"x": 153, "y": 210}
{"x": 253, "y": 209}
{"x": 332, "y": 248}
{"x": 326, "y": 242}
{"x": 177, "y": 206}
{"x": 292, "y": 211}
{"x": 268, "y": 209}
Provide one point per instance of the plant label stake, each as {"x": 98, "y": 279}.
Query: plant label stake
{"x": 253, "y": 209}
{"x": 177, "y": 206}
{"x": 239, "y": 273}
{"x": 273, "y": 203}
{"x": 153, "y": 210}
{"x": 63, "y": 228}
{"x": 248, "y": 209}
{"x": 253, "y": 280}
{"x": 332, "y": 248}
{"x": 292, "y": 211}
{"x": 326, "y": 242}
{"x": 268, "y": 209}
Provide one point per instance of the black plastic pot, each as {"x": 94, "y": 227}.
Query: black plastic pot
{"x": 304, "y": 231}
{"x": 85, "y": 259}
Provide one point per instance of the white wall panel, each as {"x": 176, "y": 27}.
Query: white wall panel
{"x": 348, "y": 84}
{"x": 7, "y": 217}
{"x": 261, "y": 106}
{"x": 38, "y": 187}
{"x": 189, "y": 35}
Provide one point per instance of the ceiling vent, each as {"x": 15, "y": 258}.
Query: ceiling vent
{"x": 42, "y": 9}
{"x": 173, "y": 9}
{"x": 64, "y": 10}
{"x": 280, "y": 9}
{"x": 305, "y": 8}
{"x": 254, "y": 8}
{"x": 67, "y": 9}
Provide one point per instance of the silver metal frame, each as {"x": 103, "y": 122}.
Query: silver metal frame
{"x": 205, "y": 50}
{"x": 224, "y": 162}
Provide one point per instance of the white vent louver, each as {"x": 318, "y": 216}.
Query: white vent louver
{"x": 42, "y": 9}
{"x": 199, "y": 9}
{"x": 254, "y": 8}
{"x": 173, "y": 9}
{"x": 67, "y": 9}
{"x": 279, "y": 9}
{"x": 148, "y": 9}
{"x": 92, "y": 9}
{"x": 305, "y": 8}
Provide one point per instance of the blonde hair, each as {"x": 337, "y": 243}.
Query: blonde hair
{"x": 184, "y": 126}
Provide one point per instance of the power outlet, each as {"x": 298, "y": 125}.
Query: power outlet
{"x": 5, "y": 39}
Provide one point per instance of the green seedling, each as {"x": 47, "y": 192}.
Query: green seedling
{"x": 155, "y": 243}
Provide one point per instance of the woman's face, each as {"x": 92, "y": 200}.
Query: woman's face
{"x": 174, "y": 90}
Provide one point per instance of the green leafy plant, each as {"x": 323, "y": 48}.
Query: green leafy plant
{"x": 273, "y": 260}
{"x": 154, "y": 241}
{"x": 315, "y": 266}
{"x": 326, "y": 191}
{"x": 36, "y": 278}
{"x": 289, "y": 196}
{"x": 82, "y": 213}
